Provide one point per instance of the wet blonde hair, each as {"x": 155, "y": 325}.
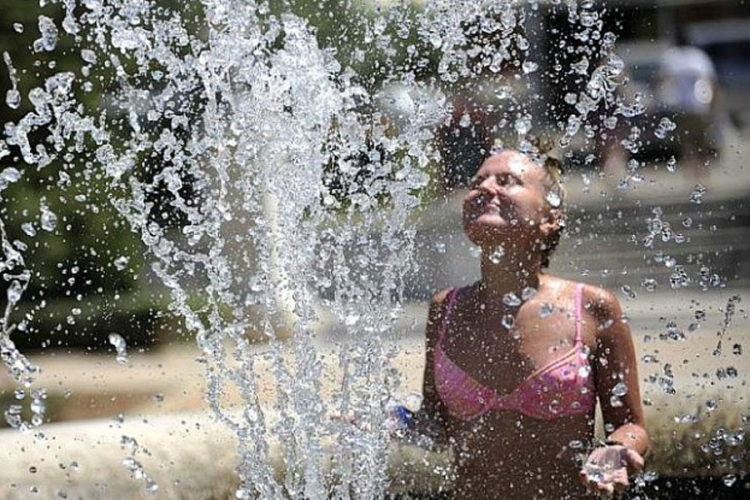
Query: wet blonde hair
{"x": 546, "y": 156}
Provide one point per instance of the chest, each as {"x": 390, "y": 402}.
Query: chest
{"x": 501, "y": 351}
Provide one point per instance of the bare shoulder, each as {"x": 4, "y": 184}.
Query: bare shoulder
{"x": 439, "y": 298}
{"x": 602, "y": 303}
{"x": 604, "y": 306}
{"x": 598, "y": 302}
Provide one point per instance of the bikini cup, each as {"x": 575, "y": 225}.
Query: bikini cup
{"x": 563, "y": 387}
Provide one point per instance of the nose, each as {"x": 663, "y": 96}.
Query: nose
{"x": 488, "y": 184}
{"x": 492, "y": 186}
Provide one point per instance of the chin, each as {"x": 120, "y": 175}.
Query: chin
{"x": 488, "y": 235}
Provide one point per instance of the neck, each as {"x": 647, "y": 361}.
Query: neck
{"x": 510, "y": 273}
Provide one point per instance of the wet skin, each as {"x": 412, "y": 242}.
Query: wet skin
{"x": 505, "y": 454}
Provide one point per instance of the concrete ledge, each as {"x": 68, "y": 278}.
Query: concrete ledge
{"x": 85, "y": 460}
{"x": 188, "y": 456}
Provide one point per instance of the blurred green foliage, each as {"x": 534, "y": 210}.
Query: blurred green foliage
{"x": 85, "y": 273}
{"x": 89, "y": 275}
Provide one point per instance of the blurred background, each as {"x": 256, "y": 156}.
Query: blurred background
{"x": 660, "y": 215}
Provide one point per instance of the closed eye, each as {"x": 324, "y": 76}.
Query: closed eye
{"x": 506, "y": 179}
{"x": 476, "y": 181}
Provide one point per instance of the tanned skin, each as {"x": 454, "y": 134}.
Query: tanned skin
{"x": 505, "y": 454}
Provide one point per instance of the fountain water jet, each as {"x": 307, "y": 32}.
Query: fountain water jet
{"x": 293, "y": 192}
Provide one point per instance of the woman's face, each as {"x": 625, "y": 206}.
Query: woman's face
{"x": 506, "y": 203}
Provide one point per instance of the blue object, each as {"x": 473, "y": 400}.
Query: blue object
{"x": 404, "y": 416}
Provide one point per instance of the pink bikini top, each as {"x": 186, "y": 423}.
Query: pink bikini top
{"x": 564, "y": 387}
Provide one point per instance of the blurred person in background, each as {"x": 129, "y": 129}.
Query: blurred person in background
{"x": 688, "y": 90}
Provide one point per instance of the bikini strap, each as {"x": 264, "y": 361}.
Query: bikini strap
{"x": 446, "y": 315}
{"x": 579, "y": 313}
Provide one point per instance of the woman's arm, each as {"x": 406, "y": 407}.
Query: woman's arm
{"x": 617, "y": 372}
{"x": 430, "y": 419}
{"x": 607, "y": 467}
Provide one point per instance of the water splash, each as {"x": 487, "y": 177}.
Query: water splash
{"x": 120, "y": 347}
{"x": 291, "y": 189}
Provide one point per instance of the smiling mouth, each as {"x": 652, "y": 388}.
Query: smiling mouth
{"x": 494, "y": 207}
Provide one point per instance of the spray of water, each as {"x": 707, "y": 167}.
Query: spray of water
{"x": 292, "y": 179}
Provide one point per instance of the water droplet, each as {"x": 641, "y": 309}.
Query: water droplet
{"x": 546, "y": 310}
{"x": 121, "y": 348}
{"x": 48, "y": 218}
{"x": 465, "y": 120}
{"x": 697, "y": 195}
{"x": 351, "y": 319}
{"x": 151, "y": 486}
{"x": 436, "y": 40}
{"x": 38, "y": 406}
{"x": 503, "y": 92}
{"x": 9, "y": 175}
{"x": 553, "y": 199}
{"x": 497, "y": 62}
{"x": 14, "y": 292}
{"x": 615, "y": 402}
{"x": 649, "y": 284}
{"x": 13, "y": 98}
{"x": 620, "y": 389}
{"x": 665, "y": 127}
{"x": 18, "y": 27}
{"x": 672, "y": 164}
{"x": 243, "y": 494}
{"x": 523, "y": 124}
{"x": 497, "y": 255}
{"x": 48, "y": 32}
{"x": 28, "y": 228}
{"x": 711, "y": 405}
{"x": 529, "y": 67}
{"x": 688, "y": 418}
{"x": 555, "y": 406}
{"x": 528, "y": 293}
{"x": 88, "y": 56}
{"x": 729, "y": 480}
{"x": 594, "y": 473}
{"x": 628, "y": 291}
{"x": 510, "y": 299}
{"x": 508, "y": 321}
{"x": 121, "y": 263}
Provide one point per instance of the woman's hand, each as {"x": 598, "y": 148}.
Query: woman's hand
{"x": 607, "y": 468}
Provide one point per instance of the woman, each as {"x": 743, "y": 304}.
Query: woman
{"x": 516, "y": 361}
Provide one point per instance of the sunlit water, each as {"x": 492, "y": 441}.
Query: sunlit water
{"x": 293, "y": 179}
